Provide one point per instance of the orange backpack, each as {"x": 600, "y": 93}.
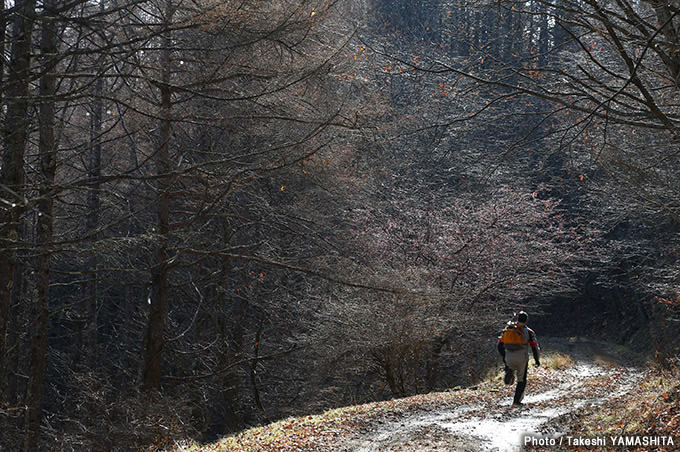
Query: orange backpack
{"x": 513, "y": 336}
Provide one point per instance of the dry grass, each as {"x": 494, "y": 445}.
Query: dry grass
{"x": 557, "y": 361}
{"x": 322, "y": 432}
{"x": 655, "y": 411}
{"x": 651, "y": 408}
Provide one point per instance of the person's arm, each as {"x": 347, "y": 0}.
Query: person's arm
{"x": 535, "y": 349}
{"x": 501, "y": 350}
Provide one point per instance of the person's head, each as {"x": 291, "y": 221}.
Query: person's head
{"x": 522, "y": 317}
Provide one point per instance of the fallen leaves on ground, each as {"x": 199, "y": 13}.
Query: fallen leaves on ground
{"x": 323, "y": 431}
{"x": 618, "y": 401}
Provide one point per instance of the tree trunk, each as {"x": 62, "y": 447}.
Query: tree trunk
{"x": 665, "y": 14}
{"x": 14, "y": 135}
{"x": 91, "y": 223}
{"x": 14, "y": 342}
{"x": 3, "y": 34}
{"x": 433, "y": 364}
{"x": 48, "y": 165}
{"x": 253, "y": 367}
{"x": 393, "y": 374}
{"x": 160, "y": 286}
{"x": 231, "y": 345}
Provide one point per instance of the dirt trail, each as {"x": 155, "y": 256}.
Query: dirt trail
{"x": 599, "y": 372}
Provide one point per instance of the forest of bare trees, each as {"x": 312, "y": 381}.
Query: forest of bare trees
{"x": 214, "y": 214}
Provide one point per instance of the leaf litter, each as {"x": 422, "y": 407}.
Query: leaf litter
{"x": 597, "y": 379}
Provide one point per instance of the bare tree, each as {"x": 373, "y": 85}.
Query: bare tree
{"x": 48, "y": 166}
{"x": 461, "y": 263}
{"x": 15, "y": 129}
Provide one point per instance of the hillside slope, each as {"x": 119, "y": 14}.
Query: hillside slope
{"x": 585, "y": 392}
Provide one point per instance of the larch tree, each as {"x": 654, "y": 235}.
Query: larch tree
{"x": 15, "y": 127}
{"x": 47, "y": 150}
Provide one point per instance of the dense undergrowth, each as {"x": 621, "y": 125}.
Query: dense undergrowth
{"x": 654, "y": 411}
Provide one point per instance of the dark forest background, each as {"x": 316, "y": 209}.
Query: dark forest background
{"x": 217, "y": 214}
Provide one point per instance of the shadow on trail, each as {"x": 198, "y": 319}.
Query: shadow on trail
{"x": 598, "y": 373}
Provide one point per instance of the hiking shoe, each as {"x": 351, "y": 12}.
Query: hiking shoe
{"x": 509, "y": 377}
{"x": 517, "y": 404}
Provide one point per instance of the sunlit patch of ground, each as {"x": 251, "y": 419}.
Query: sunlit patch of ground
{"x": 583, "y": 388}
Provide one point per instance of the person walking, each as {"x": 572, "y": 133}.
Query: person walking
{"x": 513, "y": 345}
